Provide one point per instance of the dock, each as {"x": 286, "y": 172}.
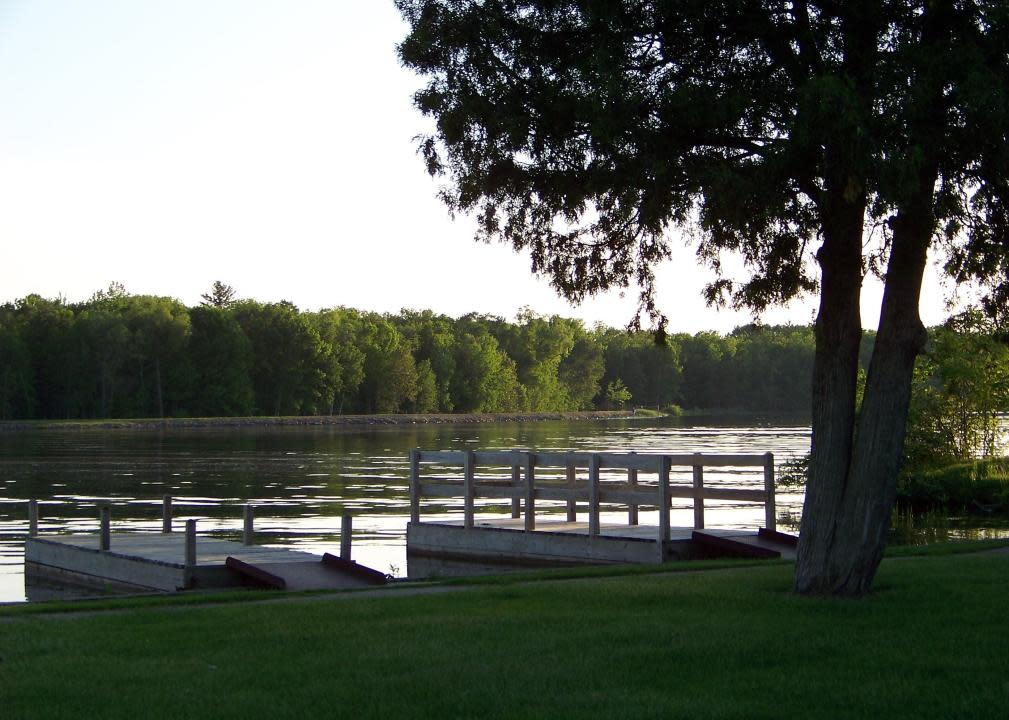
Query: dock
{"x": 582, "y": 484}
{"x": 172, "y": 561}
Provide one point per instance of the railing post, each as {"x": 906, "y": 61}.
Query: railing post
{"x": 190, "y": 544}
{"x": 248, "y": 530}
{"x": 632, "y": 482}
{"x": 698, "y": 492}
{"x": 663, "y": 502}
{"x": 105, "y": 527}
{"x": 469, "y": 489}
{"x": 571, "y": 475}
{"x": 594, "y": 495}
{"x": 346, "y": 535}
{"x": 415, "y": 486}
{"x": 33, "y": 517}
{"x": 516, "y": 484}
{"x": 770, "y": 519}
{"x": 530, "y": 488}
{"x": 166, "y": 514}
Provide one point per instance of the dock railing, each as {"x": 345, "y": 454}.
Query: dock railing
{"x": 513, "y": 475}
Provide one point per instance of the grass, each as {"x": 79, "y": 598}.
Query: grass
{"x": 731, "y": 642}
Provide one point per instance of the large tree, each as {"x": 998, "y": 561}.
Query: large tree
{"x": 814, "y": 139}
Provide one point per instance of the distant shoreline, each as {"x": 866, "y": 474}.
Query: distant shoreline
{"x": 349, "y": 421}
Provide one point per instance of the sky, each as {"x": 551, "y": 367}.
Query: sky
{"x": 266, "y": 144}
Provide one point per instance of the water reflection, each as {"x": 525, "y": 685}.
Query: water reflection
{"x": 303, "y": 478}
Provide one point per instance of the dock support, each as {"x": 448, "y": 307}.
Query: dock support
{"x": 105, "y": 527}
{"x": 33, "y": 517}
{"x": 166, "y": 514}
{"x": 248, "y": 529}
{"x": 516, "y": 484}
{"x": 469, "y": 489}
{"x": 632, "y": 482}
{"x": 190, "y": 544}
{"x": 698, "y": 494}
{"x": 346, "y": 535}
{"x": 594, "y": 495}
{"x": 415, "y": 486}
{"x": 530, "y": 488}
{"x": 571, "y": 478}
{"x": 663, "y": 503}
{"x": 770, "y": 513}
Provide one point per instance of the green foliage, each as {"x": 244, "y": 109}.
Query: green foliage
{"x": 122, "y": 355}
{"x": 978, "y": 488}
{"x": 961, "y": 384}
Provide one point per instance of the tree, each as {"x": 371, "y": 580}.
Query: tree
{"x": 221, "y": 356}
{"x": 220, "y": 296}
{"x": 961, "y": 385}
{"x": 585, "y": 131}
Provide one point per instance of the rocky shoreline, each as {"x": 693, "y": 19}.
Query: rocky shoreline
{"x": 349, "y": 421}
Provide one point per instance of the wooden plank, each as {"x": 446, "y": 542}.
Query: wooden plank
{"x": 631, "y": 461}
{"x": 500, "y": 458}
{"x": 560, "y": 459}
{"x": 350, "y": 567}
{"x": 698, "y": 496}
{"x": 779, "y": 537}
{"x": 594, "y": 496}
{"x": 572, "y": 511}
{"x": 469, "y": 490}
{"x": 733, "y": 547}
{"x": 256, "y": 576}
{"x": 346, "y": 535}
{"x": 415, "y": 486}
{"x": 248, "y": 531}
{"x": 663, "y": 500}
{"x": 445, "y": 457}
{"x": 712, "y": 493}
{"x": 632, "y": 507}
{"x": 530, "y": 493}
{"x": 517, "y": 489}
{"x": 33, "y": 517}
{"x": 166, "y": 514}
{"x": 770, "y": 512}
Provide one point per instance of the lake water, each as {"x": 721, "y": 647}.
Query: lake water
{"x": 301, "y": 479}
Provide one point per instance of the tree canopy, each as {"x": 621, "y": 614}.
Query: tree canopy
{"x": 850, "y": 136}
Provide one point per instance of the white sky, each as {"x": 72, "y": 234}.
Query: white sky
{"x": 267, "y": 144}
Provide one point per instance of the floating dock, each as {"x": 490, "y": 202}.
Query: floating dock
{"x": 584, "y": 483}
{"x": 173, "y": 561}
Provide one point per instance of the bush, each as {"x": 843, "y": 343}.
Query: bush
{"x": 980, "y": 487}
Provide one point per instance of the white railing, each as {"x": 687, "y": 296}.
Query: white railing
{"x": 513, "y": 475}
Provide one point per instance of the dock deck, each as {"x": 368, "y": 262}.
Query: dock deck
{"x": 169, "y": 562}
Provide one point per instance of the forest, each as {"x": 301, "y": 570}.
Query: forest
{"x": 120, "y": 355}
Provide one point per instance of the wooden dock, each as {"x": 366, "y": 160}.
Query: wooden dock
{"x": 172, "y": 561}
{"x": 584, "y": 483}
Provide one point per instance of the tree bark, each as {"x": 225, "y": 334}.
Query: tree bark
{"x": 838, "y": 331}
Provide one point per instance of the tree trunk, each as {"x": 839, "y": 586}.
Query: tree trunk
{"x": 835, "y": 377}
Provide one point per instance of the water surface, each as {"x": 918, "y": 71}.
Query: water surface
{"x": 301, "y": 479}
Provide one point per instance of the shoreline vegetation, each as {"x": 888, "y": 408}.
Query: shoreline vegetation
{"x": 350, "y": 421}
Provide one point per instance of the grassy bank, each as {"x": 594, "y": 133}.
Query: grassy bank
{"x": 349, "y": 421}
{"x": 977, "y": 488}
{"x": 724, "y": 643}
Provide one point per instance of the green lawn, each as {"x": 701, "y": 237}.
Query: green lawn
{"x": 933, "y": 641}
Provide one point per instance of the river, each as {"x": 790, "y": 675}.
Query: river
{"x": 302, "y": 478}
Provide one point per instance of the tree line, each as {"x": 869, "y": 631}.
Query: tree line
{"x": 124, "y": 355}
